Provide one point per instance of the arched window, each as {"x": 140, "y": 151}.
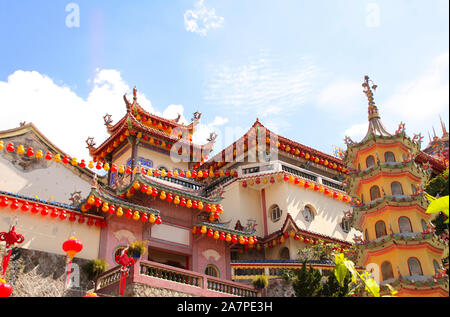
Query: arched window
{"x": 380, "y": 229}
{"x": 396, "y": 188}
{"x": 275, "y": 213}
{"x": 374, "y": 192}
{"x": 345, "y": 225}
{"x": 413, "y": 188}
{"x": 366, "y": 235}
{"x": 424, "y": 225}
{"x": 284, "y": 254}
{"x": 308, "y": 214}
{"x": 386, "y": 271}
{"x": 212, "y": 270}
{"x": 404, "y": 224}
{"x": 436, "y": 266}
{"x": 414, "y": 267}
{"x": 370, "y": 161}
{"x": 389, "y": 157}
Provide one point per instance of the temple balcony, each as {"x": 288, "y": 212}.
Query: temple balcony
{"x": 155, "y": 275}
{"x": 280, "y": 166}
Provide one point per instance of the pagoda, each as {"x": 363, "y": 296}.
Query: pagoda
{"x": 386, "y": 182}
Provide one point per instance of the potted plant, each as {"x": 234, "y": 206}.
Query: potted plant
{"x": 94, "y": 268}
{"x": 260, "y": 282}
{"x": 136, "y": 249}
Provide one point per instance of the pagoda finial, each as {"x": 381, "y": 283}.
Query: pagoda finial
{"x": 373, "y": 111}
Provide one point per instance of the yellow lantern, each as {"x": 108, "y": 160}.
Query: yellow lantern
{"x": 211, "y": 173}
{"x": 292, "y": 233}
{"x": 57, "y": 158}
{"x": 106, "y": 167}
{"x": 228, "y": 237}
{"x": 136, "y": 185}
{"x": 119, "y": 212}
{"x": 203, "y": 230}
{"x": 151, "y": 141}
{"x": 321, "y": 189}
{"x": 250, "y": 241}
{"x": 221, "y": 173}
{"x": 216, "y": 235}
{"x": 136, "y": 215}
{"x": 2, "y": 145}
{"x": 163, "y": 173}
{"x": 135, "y": 170}
{"x": 121, "y": 169}
{"x": 176, "y": 200}
{"x": 189, "y": 204}
{"x": 150, "y": 172}
{"x": 291, "y": 179}
{"x": 213, "y": 208}
{"x": 39, "y": 154}
{"x": 282, "y": 239}
{"x": 307, "y": 156}
{"x": 188, "y": 174}
{"x": 288, "y": 148}
{"x": 211, "y": 218}
{"x": 152, "y": 218}
{"x": 127, "y": 132}
{"x": 163, "y": 195}
{"x": 91, "y": 164}
{"x": 139, "y": 135}
{"x": 200, "y": 205}
{"x": 194, "y": 230}
{"x": 301, "y": 183}
{"x": 175, "y": 173}
{"x": 91, "y": 200}
{"x": 105, "y": 207}
{"x": 200, "y": 174}
{"x": 149, "y": 190}
{"x": 20, "y": 149}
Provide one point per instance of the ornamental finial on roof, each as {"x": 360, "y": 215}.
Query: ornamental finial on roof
{"x": 90, "y": 142}
{"x": 196, "y": 116}
{"x": 369, "y": 94}
{"x": 134, "y": 93}
{"x": 107, "y": 119}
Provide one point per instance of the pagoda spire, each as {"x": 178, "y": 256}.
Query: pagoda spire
{"x": 375, "y": 125}
{"x": 444, "y": 130}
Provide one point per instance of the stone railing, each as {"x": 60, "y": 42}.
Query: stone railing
{"x": 162, "y": 276}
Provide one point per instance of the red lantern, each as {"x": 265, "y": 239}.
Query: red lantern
{"x": 65, "y": 159}
{"x": 316, "y": 187}
{"x": 10, "y": 238}
{"x": 306, "y": 184}
{"x": 4, "y": 202}
{"x": 272, "y": 180}
{"x": 5, "y": 288}
{"x": 71, "y": 247}
{"x": 244, "y": 184}
{"x": 30, "y": 152}
{"x": 14, "y": 204}
{"x": 129, "y": 213}
{"x": 234, "y": 238}
{"x": 286, "y": 235}
{"x": 326, "y": 191}
{"x": 158, "y": 220}
{"x": 10, "y": 147}
{"x": 286, "y": 177}
{"x": 54, "y": 213}
{"x": 125, "y": 261}
{"x": 25, "y": 206}
{"x": 62, "y": 215}
{"x": 210, "y": 233}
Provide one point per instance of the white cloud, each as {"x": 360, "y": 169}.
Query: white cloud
{"x": 267, "y": 85}
{"x": 61, "y": 115}
{"x": 201, "y": 19}
{"x": 421, "y": 100}
{"x": 357, "y": 132}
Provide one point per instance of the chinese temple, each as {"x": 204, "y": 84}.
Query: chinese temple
{"x": 211, "y": 225}
{"x": 386, "y": 179}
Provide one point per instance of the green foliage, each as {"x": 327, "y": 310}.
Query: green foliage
{"x": 332, "y": 288}
{"x": 137, "y": 248}
{"x": 439, "y": 185}
{"x": 94, "y": 268}
{"x": 305, "y": 282}
{"x": 260, "y": 282}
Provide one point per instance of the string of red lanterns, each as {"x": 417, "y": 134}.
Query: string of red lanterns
{"x": 301, "y": 183}
{"x": 106, "y": 206}
{"x": 121, "y": 169}
{"x": 49, "y": 211}
{"x": 246, "y": 241}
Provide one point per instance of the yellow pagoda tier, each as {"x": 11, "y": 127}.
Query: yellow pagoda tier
{"x": 399, "y": 245}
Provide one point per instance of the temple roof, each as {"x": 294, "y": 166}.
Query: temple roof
{"x": 254, "y": 134}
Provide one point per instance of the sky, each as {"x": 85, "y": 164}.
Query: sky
{"x": 296, "y": 65}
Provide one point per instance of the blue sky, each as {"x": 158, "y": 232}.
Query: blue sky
{"x": 296, "y": 65}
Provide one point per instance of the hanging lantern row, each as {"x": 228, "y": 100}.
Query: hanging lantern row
{"x": 52, "y": 212}
{"x": 119, "y": 211}
{"x": 317, "y": 188}
{"x": 121, "y": 169}
{"x": 214, "y": 209}
{"x": 196, "y": 155}
{"x": 311, "y": 157}
{"x": 158, "y": 125}
{"x": 228, "y": 237}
